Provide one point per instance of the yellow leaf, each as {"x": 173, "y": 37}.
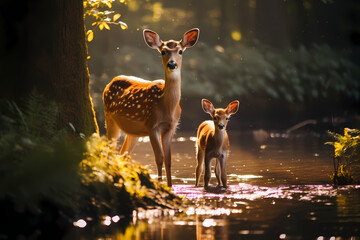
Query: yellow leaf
{"x": 109, "y": 4}
{"x": 106, "y": 26}
{"x": 123, "y": 25}
{"x": 88, "y": 57}
{"x": 101, "y": 26}
{"x": 116, "y": 17}
{"x": 90, "y": 35}
{"x": 94, "y": 23}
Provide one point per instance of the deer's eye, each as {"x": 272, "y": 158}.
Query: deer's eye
{"x": 215, "y": 118}
{"x": 227, "y": 118}
{"x": 162, "y": 52}
{"x": 180, "y": 52}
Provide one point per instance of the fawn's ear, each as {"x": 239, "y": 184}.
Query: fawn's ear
{"x": 232, "y": 107}
{"x": 207, "y": 106}
{"x": 152, "y": 39}
{"x": 190, "y": 38}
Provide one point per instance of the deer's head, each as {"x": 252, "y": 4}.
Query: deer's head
{"x": 220, "y": 116}
{"x": 171, "y": 51}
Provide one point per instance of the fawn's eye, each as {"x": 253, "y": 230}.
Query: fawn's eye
{"x": 180, "y": 52}
{"x": 162, "y": 52}
{"x": 227, "y": 118}
{"x": 215, "y": 118}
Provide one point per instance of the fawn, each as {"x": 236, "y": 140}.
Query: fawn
{"x": 139, "y": 107}
{"x": 213, "y": 142}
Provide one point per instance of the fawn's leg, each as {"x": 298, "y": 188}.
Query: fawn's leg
{"x": 222, "y": 163}
{"x": 207, "y": 171}
{"x": 200, "y": 164}
{"x": 218, "y": 172}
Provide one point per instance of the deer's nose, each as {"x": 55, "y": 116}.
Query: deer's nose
{"x": 172, "y": 65}
{"x": 221, "y": 126}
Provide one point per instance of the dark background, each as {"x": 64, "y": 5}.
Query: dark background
{"x": 285, "y": 61}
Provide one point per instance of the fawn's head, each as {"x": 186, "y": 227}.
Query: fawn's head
{"x": 171, "y": 51}
{"x": 220, "y": 116}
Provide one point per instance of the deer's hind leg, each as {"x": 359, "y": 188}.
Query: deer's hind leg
{"x": 112, "y": 129}
{"x": 129, "y": 144}
{"x": 207, "y": 171}
{"x": 200, "y": 155}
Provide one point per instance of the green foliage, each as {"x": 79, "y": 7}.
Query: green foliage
{"x": 300, "y": 75}
{"x": 346, "y": 156}
{"x": 82, "y": 178}
{"x": 122, "y": 182}
{"x": 100, "y": 18}
{"x": 36, "y": 161}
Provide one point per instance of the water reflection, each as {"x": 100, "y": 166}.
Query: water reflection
{"x": 278, "y": 189}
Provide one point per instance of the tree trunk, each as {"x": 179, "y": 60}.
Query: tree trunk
{"x": 49, "y": 54}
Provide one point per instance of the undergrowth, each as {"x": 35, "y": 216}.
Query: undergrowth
{"x": 346, "y": 158}
{"x": 41, "y": 165}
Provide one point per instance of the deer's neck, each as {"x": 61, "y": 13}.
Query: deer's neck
{"x": 172, "y": 89}
{"x": 219, "y": 137}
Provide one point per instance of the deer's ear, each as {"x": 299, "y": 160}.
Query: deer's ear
{"x": 152, "y": 39}
{"x": 207, "y": 106}
{"x": 232, "y": 107}
{"x": 190, "y": 38}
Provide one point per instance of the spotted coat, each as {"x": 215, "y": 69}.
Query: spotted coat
{"x": 133, "y": 101}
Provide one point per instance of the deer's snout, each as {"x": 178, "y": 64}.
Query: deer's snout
{"x": 172, "y": 65}
{"x": 221, "y": 126}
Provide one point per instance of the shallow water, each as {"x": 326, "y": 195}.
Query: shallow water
{"x": 278, "y": 189}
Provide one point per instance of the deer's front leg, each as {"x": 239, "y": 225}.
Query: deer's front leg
{"x": 218, "y": 172}
{"x": 166, "y": 141}
{"x": 207, "y": 171}
{"x": 222, "y": 163}
{"x": 159, "y": 155}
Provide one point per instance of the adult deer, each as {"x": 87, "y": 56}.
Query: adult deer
{"x": 139, "y": 107}
{"x": 213, "y": 142}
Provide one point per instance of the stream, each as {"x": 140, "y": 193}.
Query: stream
{"x": 279, "y": 188}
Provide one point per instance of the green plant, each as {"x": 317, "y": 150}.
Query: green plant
{"x": 296, "y": 76}
{"x": 123, "y": 183}
{"x": 346, "y": 157}
{"x": 76, "y": 176}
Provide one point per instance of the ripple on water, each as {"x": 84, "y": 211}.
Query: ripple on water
{"x": 252, "y": 192}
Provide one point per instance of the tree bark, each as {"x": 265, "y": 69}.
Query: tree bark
{"x": 49, "y": 54}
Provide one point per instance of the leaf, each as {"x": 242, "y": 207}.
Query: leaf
{"x": 123, "y": 25}
{"x": 90, "y": 35}
{"x": 116, "y": 17}
{"x": 106, "y": 26}
{"x": 101, "y": 26}
{"x": 88, "y": 57}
